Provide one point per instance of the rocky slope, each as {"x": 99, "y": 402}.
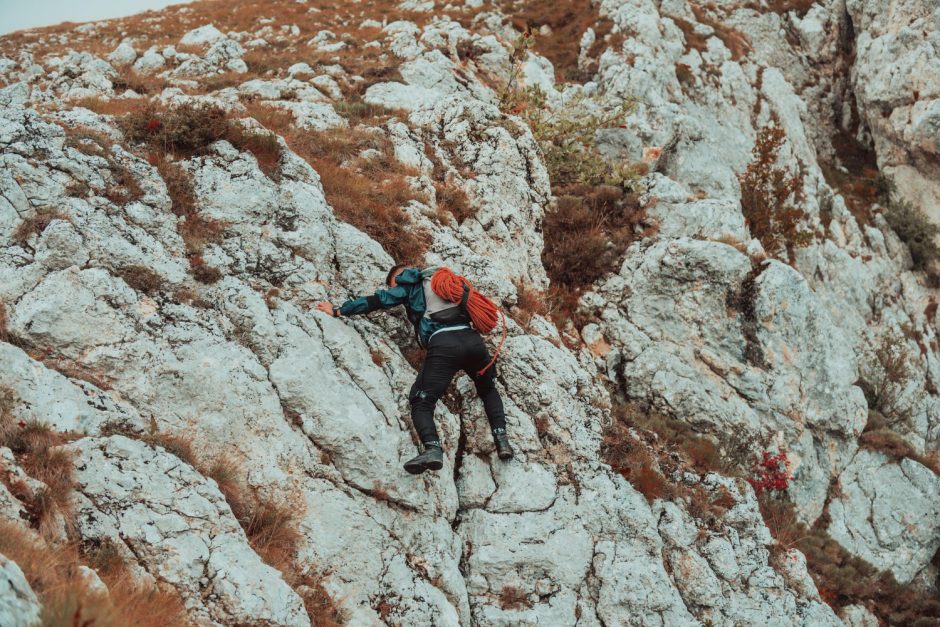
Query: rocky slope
{"x": 114, "y": 330}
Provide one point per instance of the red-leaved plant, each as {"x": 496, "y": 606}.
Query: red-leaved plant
{"x": 771, "y": 472}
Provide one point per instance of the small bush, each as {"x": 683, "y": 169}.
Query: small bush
{"x": 142, "y": 279}
{"x": 915, "y": 229}
{"x": 35, "y": 447}
{"x": 36, "y": 224}
{"x": 179, "y": 184}
{"x": 453, "y": 200}
{"x": 203, "y": 272}
{"x": 770, "y": 197}
{"x": 771, "y": 473}
{"x": 885, "y": 372}
{"x": 632, "y": 458}
{"x": 514, "y": 598}
{"x": 184, "y": 130}
{"x": 189, "y": 129}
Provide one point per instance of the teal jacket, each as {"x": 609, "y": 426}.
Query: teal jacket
{"x": 409, "y": 292}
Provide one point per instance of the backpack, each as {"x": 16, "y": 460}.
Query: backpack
{"x": 451, "y": 299}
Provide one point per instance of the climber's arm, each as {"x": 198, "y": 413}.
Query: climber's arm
{"x": 382, "y": 299}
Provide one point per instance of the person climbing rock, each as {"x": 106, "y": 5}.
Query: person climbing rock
{"x": 448, "y": 330}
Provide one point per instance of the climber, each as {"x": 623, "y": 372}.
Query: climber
{"x": 453, "y": 344}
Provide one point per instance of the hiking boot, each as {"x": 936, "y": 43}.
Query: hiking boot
{"x": 503, "y": 450}
{"x": 431, "y": 459}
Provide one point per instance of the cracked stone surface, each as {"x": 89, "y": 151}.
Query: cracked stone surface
{"x": 888, "y": 513}
{"x": 18, "y": 602}
{"x": 178, "y": 528}
{"x": 696, "y": 321}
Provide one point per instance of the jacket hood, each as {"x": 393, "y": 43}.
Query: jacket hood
{"x": 409, "y": 276}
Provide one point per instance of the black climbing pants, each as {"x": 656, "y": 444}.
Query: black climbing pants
{"x": 448, "y": 353}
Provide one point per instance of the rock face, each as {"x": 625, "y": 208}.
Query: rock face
{"x": 698, "y": 322}
{"x": 888, "y": 513}
{"x": 179, "y": 530}
{"x": 18, "y": 603}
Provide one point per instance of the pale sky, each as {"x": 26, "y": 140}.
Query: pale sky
{"x": 20, "y": 14}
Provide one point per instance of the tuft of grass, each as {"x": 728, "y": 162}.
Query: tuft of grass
{"x": 453, "y": 200}
{"x": 36, "y": 224}
{"x": 36, "y": 447}
{"x": 142, "y": 279}
{"x": 514, "y": 598}
{"x": 179, "y": 183}
{"x": 52, "y": 572}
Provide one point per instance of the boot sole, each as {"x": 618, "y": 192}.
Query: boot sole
{"x": 417, "y": 469}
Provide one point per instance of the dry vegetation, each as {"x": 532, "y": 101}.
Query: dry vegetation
{"x": 597, "y": 214}
{"x": 36, "y": 448}
{"x": 771, "y": 197}
{"x": 53, "y": 573}
{"x": 36, "y": 224}
{"x": 514, "y": 598}
{"x": 843, "y": 579}
{"x": 652, "y": 450}
{"x": 269, "y": 522}
{"x": 567, "y": 20}
{"x": 369, "y": 193}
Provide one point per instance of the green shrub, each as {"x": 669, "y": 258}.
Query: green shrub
{"x": 914, "y": 228}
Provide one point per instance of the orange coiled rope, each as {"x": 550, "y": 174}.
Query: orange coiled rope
{"x": 483, "y": 312}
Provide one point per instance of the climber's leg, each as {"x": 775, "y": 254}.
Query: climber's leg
{"x": 486, "y": 389}
{"x": 440, "y": 365}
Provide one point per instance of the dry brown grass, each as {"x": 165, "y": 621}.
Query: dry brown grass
{"x": 143, "y": 84}
{"x": 653, "y": 452}
{"x": 52, "y": 572}
{"x": 568, "y": 20}
{"x": 734, "y": 40}
{"x": 530, "y": 302}
{"x": 367, "y": 193}
{"x": 142, "y": 279}
{"x": 36, "y": 224}
{"x": 4, "y": 333}
{"x": 270, "y": 524}
{"x": 36, "y": 448}
{"x": 585, "y": 235}
{"x": 109, "y": 106}
{"x": 514, "y": 598}
{"x": 453, "y": 200}
{"x": 179, "y": 183}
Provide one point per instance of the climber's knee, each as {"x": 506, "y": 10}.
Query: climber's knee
{"x": 419, "y": 397}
